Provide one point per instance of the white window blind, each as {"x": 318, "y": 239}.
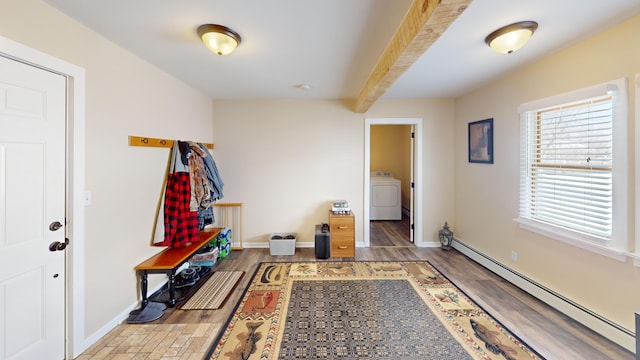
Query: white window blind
{"x": 567, "y": 166}
{"x": 574, "y": 168}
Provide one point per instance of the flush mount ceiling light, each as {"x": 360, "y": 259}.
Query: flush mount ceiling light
{"x": 512, "y": 37}
{"x": 219, "y": 39}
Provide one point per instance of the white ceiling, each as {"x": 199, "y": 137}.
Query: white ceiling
{"x": 332, "y": 45}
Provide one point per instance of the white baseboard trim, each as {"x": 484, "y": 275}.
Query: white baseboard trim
{"x": 605, "y": 327}
{"x": 312, "y": 244}
{"x": 266, "y": 245}
{"x": 103, "y": 331}
{"x": 429, "y": 244}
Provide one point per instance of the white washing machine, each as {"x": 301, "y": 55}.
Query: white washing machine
{"x": 385, "y": 197}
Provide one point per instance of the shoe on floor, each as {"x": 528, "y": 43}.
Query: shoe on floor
{"x": 187, "y": 277}
{"x": 146, "y": 314}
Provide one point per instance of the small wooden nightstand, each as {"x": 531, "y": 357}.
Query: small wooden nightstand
{"x": 343, "y": 235}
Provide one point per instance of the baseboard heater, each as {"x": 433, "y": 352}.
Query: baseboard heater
{"x": 590, "y": 319}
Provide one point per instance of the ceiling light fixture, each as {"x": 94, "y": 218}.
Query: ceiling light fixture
{"x": 512, "y": 37}
{"x": 219, "y": 39}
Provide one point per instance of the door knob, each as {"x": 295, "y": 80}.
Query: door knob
{"x": 58, "y": 246}
{"x": 55, "y": 226}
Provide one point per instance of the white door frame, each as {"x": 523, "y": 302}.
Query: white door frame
{"x": 75, "y": 148}
{"x": 417, "y": 164}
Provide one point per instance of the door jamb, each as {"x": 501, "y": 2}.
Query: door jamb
{"x": 75, "y": 169}
{"x": 418, "y": 216}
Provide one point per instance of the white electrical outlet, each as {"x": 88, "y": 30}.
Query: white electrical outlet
{"x": 514, "y": 256}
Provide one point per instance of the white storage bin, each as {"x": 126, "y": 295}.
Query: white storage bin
{"x": 282, "y": 243}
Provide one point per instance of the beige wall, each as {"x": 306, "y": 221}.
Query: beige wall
{"x": 287, "y": 160}
{"x": 437, "y": 156}
{"x": 124, "y": 96}
{"x": 391, "y": 151}
{"x": 486, "y": 196}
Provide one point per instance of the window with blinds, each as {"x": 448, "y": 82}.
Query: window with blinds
{"x": 568, "y": 166}
{"x": 573, "y": 173}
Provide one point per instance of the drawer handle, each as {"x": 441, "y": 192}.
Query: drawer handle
{"x": 342, "y": 247}
{"x": 342, "y": 227}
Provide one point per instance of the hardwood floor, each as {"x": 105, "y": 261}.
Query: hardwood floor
{"x": 390, "y": 233}
{"x": 187, "y": 334}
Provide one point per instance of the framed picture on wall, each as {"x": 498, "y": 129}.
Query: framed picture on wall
{"x": 481, "y": 141}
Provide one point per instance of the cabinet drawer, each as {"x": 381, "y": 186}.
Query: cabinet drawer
{"x": 342, "y": 247}
{"x": 343, "y": 235}
{"x": 339, "y": 225}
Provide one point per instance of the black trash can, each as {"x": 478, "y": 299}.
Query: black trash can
{"x": 323, "y": 241}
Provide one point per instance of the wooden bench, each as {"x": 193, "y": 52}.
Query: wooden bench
{"x": 168, "y": 261}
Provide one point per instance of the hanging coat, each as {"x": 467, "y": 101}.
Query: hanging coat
{"x": 213, "y": 175}
{"x": 180, "y": 223}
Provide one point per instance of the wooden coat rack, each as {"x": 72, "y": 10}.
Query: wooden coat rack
{"x": 153, "y": 142}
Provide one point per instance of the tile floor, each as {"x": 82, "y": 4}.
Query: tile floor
{"x": 153, "y": 342}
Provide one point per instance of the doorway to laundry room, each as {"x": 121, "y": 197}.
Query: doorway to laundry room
{"x": 390, "y": 211}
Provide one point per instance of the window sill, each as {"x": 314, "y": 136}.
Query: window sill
{"x": 636, "y": 258}
{"x": 570, "y": 238}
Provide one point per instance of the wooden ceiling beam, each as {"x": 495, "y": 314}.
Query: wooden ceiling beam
{"x": 424, "y": 23}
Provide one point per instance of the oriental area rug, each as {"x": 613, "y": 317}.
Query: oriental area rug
{"x": 361, "y": 310}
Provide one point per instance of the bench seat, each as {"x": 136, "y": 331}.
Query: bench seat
{"x": 168, "y": 261}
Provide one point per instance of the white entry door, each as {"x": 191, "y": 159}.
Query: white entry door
{"x": 32, "y": 212}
